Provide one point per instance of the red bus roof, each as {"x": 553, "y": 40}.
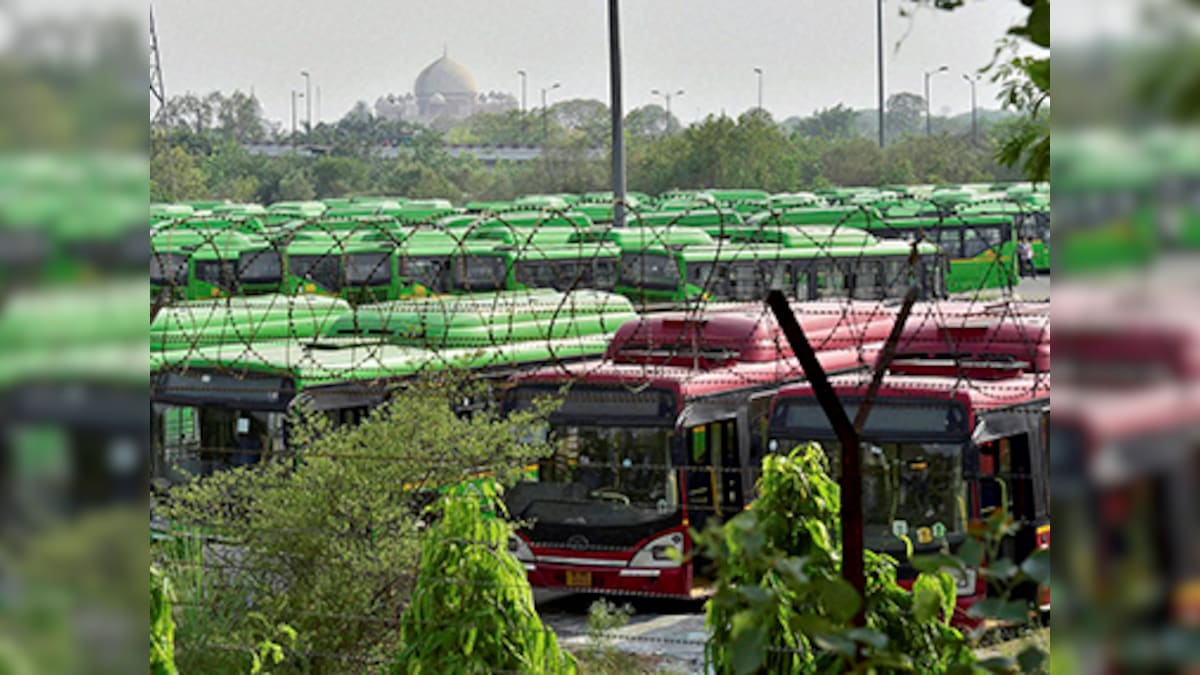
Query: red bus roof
{"x": 975, "y": 394}
{"x": 695, "y": 382}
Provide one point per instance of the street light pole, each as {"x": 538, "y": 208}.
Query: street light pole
{"x": 974, "y": 109}
{"x": 759, "y": 72}
{"x": 523, "y": 76}
{"x": 879, "y": 56}
{"x": 307, "y": 102}
{"x": 545, "y": 129}
{"x": 667, "y": 96}
{"x": 617, "y": 111}
{"x": 294, "y": 117}
{"x": 928, "y": 116}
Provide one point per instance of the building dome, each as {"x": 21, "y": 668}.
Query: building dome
{"x": 445, "y": 77}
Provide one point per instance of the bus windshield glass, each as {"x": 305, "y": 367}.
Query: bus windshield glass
{"x": 481, "y": 273}
{"x": 428, "y": 272}
{"x": 324, "y": 270}
{"x": 258, "y": 267}
{"x": 368, "y": 269}
{"x": 601, "y": 476}
{"x": 649, "y": 270}
{"x": 168, "y": 269}
{"x": 219, "y": 273}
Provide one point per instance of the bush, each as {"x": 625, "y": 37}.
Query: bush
{"x": 782, "y": 606}
{"x": 472, "y": 609}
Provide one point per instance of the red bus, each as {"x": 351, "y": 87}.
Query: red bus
{"x": 653, "y": 440}
{"x": 1126, "y": 437}
{"x": 958, "y": 428}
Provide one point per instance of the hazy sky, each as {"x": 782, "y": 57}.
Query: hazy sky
{"x": 814, "y": 53}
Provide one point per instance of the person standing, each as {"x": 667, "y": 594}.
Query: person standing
{"x": 1025, "y": 258}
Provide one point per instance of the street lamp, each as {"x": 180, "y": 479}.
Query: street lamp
{"x": 307, "y": 101}
{"x": 879, "y": 56}
{"x": 522, "y": 75}
{"x": 928, "y": 118}
{"x": 974, "y": 109}
{"x": 295, "y": 95}
{"x": 545, "y": 131}
{"x": 758, "y": 71}
{"x": 667, "y": 96}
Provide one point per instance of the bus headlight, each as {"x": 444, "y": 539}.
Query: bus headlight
{"x": 519, "y": 549}
{"x": 664, "y": 551}
{"x": 964, "y": 581}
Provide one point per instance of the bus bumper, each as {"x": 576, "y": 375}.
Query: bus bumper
{"x": 660, "y": 581}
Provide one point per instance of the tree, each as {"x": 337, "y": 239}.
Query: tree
{"x": 338, "y": 176}
{"x": 334, "y": 536}
{"x": 296, "y": 185}
{"x": 835, "y": 122}
{"x": 586, "y": 117}
{"x": 854, "y": 162}
{"x": 905, "y": 115}
{"x": 175, "y": 175}
{"x": 649, "y": 121}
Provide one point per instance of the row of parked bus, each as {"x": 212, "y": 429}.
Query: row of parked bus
{"x": 666, "y": 417}
{"x": 664, "y": 256}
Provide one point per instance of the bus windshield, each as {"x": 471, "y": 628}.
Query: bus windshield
{"x": 649, "y": 270}
{"x": 219, "y": 273}
{"x": 368, "y": 269}
{"x": 324, "y": 270}
{"x": 429, "y": 272}
{"x": 601, "y": 476}
{"x": 168, "y": 269}
{"x": 258, "y": 267}
{"x": 481, "y": 273}
{"x": 915, "y": 490}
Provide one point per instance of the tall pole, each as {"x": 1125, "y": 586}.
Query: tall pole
{"x": 293, "y": 118}
{"x": 318, "y": 105}
{"x": 522, "y": 74}
{"x": 758, "y": 72}
{"x": 617, "y": 110}
{"x": 307, "y": 102}
{"x": 667, "y": 97}
{"x": 928, "y": 114}
{"x": 879, "y": 56}
{"x": 545, "y": 128}
{"x": 974, "y": 109}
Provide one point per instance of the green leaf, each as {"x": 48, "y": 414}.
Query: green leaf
{"x": 836, "y": 643}
{"x": 1012, "y": 611}
{"x": 998, "y": 664}
{"x": 1000, "y": 569}
{"x": 971, "y": 552}
{"x": 839, "y": 599}
{"x": 935, "y": 562}
{"x": 747, "y": 642}
{"x": 868, "y": 637}
{"x": 1032, "y": 659}
{"x": 1037, "y": 566}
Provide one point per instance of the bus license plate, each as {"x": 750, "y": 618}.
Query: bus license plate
{"x": 579, "y": 578}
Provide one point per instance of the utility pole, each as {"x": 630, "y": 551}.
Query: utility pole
{"x": 928, "y": 115}
{"x": 879, "y": 56}
{"x": 156, "y": 78}
{"x": 974, "y": 109}
{"x": 667, "y": 96}
{"x": 307, "y": 102}
{"x": 615, "y": 107}
{"x": 759, "y": 72}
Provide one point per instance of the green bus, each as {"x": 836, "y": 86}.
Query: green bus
{"x": 281, "y": 212}
{"x": 228, "y": 404}
{"x": 255, "y": 319}
{"x": 563, "y": 267}
{"x": 419, "y": 211}
{"x": 196, "y": 264}
{"x": 876, "y": 270}
{"x": 1032, "y": 222}
{"x": 849, "y": 216}
{"x": 716, "y": 222}
{"x": 981, "y": 249}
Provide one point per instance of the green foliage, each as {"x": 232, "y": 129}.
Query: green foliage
{"x": 782, "y": 606}
{"x": 329, "y": 544}
{"x": 162, "y": 625}
{"x": 472, "y": 609}
{"x": 174, "y": 174}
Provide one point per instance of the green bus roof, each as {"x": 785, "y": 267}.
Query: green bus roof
{"x": 805, "y": 236}
{"x": 830, "y": 215}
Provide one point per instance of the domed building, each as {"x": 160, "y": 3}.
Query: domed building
{"x": 444, "y": 89}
